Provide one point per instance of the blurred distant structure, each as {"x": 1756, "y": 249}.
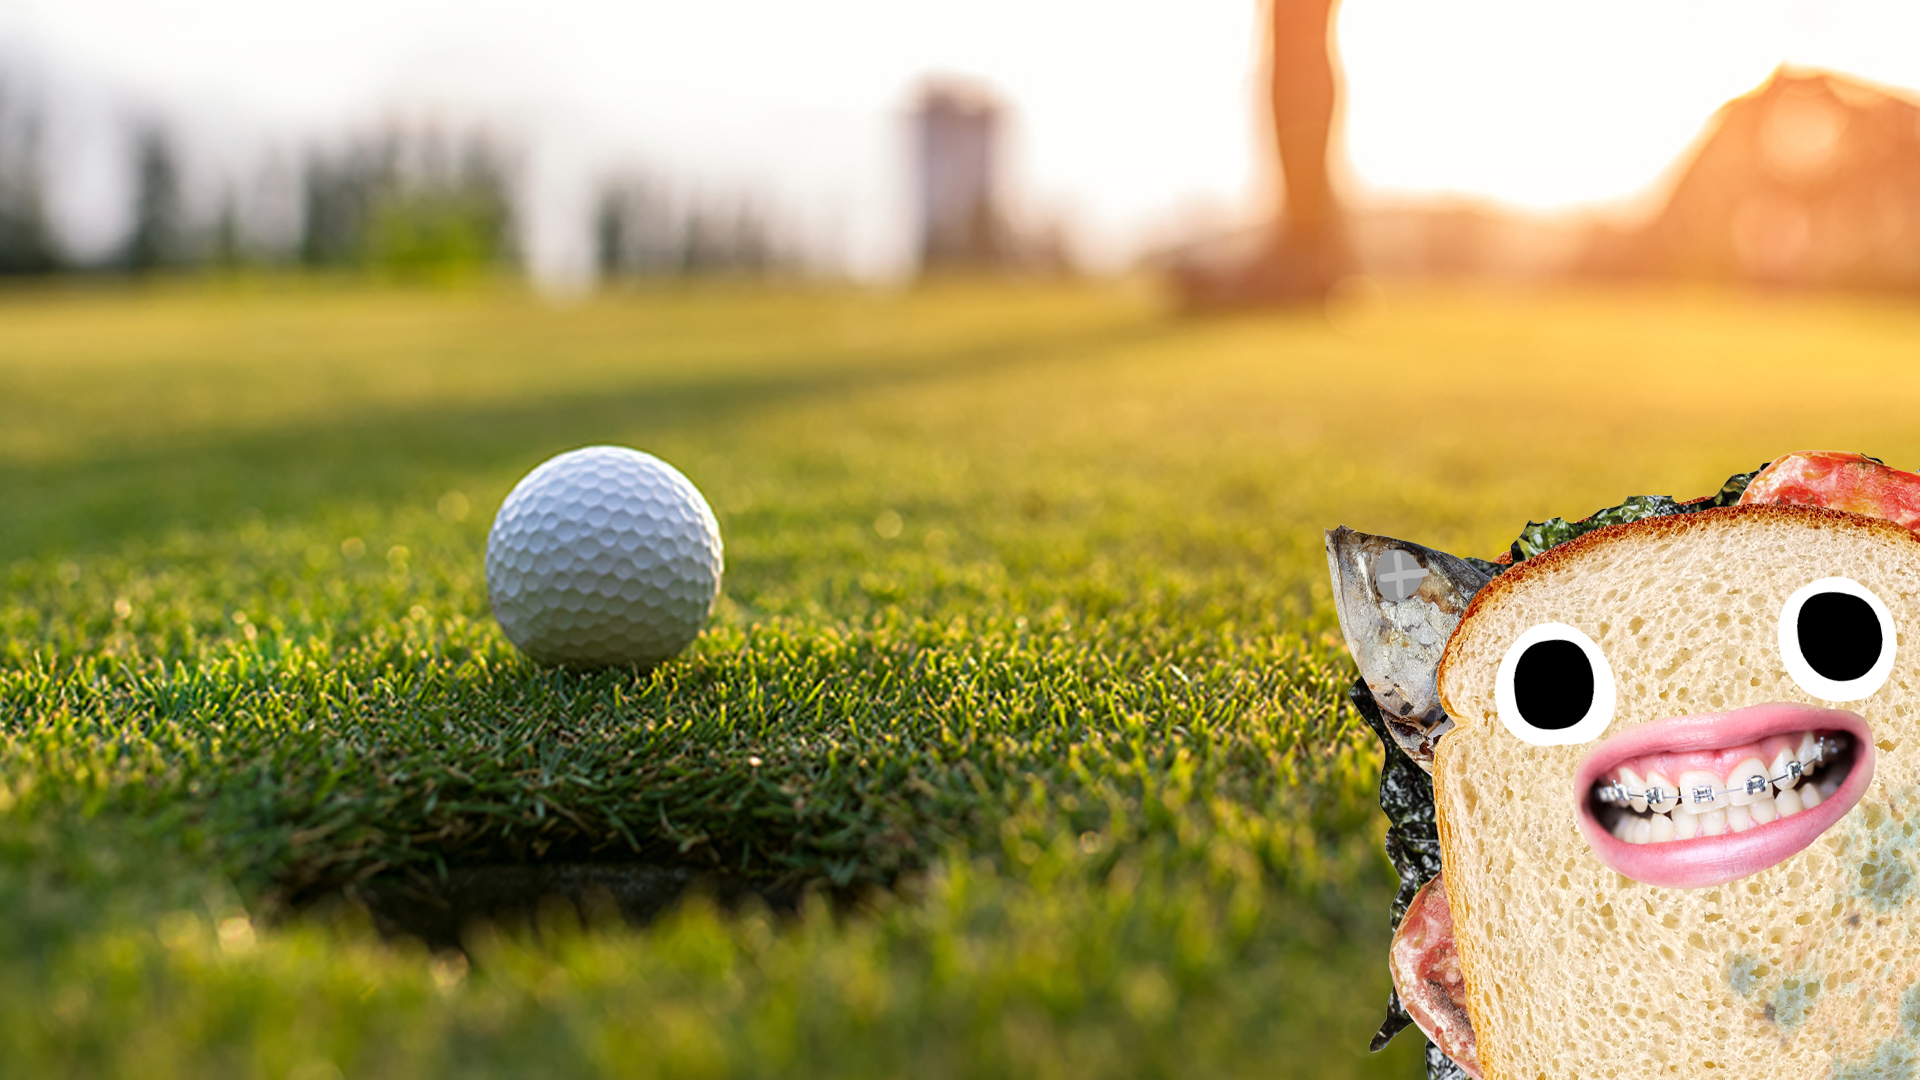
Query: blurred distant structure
{"x": 412, "y": 203}
{"x": 1302, "y": 92}
{"x": 956, "y": 135}
{"x": 26, "y": 239}
{"x": 1813, "y": 179}
{"x": 1305, "y": 253}
{"x": 961, "y": 218}
{"x": 640, "y": 230}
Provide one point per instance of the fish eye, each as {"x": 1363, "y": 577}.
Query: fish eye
{"x": 1554, "y": 687}
{"x": 1837, "y": 639}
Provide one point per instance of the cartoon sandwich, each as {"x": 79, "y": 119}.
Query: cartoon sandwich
{"x": 1675, "y": 758}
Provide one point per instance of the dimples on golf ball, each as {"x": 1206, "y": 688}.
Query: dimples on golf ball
{"x": 602, "y": 557}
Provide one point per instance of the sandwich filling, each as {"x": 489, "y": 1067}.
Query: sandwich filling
{"x": 1701, "y": 800}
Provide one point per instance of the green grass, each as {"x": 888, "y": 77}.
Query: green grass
{"x": 1025, "y": 644}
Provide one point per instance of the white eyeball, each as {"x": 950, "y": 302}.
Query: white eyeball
{"x": 1554, "y": 687}
{"x": 1837, "y": 639}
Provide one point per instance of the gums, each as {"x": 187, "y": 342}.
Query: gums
{"x": 1727, "y": 797}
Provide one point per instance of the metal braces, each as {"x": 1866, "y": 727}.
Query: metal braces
{"x": 1619, "y": 795}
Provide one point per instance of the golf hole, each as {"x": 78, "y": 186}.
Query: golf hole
{"x": 442, "y": 912}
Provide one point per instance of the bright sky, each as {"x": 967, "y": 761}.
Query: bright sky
{"x": 1134, "y": 117}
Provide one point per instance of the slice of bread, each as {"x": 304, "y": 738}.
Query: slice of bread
{"x": 1809, "y": 968}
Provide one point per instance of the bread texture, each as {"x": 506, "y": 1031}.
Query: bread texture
{"x": 1807, "y": 969}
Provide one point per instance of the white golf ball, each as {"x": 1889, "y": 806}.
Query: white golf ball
{"x": 602, "y": 557}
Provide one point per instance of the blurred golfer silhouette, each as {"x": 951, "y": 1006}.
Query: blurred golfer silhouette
{"x": 1305, "y": 251}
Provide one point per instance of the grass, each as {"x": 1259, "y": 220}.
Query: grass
{"x": 1025, "y": 644}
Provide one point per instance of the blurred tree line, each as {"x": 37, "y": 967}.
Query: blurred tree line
{"x": 405, "y": 202}
{"x": 411, "y": 203}
{"x": 26, "y": 239}
{"x": 640, "y": 229}
{"x": 401, "y": 201}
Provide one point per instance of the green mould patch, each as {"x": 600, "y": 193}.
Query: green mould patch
{"x": 1891, "y": 1060}
{"x": 1910, "y": 1011}
{"x": 1792, "y": 1002}
{"x": 1880, "y": 843}
{"x": 1743, "y": 974}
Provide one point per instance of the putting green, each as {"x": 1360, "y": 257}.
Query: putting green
{"x": 1025, "y": 655}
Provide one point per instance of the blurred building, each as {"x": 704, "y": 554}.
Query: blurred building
{"x": 1812, "y": 179}
{"x": 956, "y": 145}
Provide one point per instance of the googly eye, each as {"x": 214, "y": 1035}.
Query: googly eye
{"x": 1554, "y": 687}
{"x": 1837, "y": 639}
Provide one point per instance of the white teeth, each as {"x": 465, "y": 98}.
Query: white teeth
{"x": 1751, "y": 773}
{"x": 1634, "y": 782}
{"x": 1738, "y": 819}
{"x": 1697, "y": 803}
{"x": 1700, "y": 790}
{"x": 1668, "y": 791}
{"x": 1685, "y": 826}
{"x": 1660, "y": 829}
{"x": 1781, "y": 761}
{"x": 1810, "y": 750}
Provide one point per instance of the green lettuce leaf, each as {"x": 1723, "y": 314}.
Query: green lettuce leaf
{"x": 1541, "y": 536}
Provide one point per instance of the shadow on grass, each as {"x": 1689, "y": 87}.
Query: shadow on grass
{"x": 442, "y": 912}
{"x": 381, "y": 456}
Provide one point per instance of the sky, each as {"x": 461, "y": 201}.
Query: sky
{"x": 1135, "y": 121}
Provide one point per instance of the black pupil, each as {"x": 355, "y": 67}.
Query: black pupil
{"x": 1839, "y": 635}
{"x": 1553, "y": 684}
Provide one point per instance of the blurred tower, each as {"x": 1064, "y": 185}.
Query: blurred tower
{"x": 1302, "y": 92}
{"x": 956, "y": 133}
{"x": 1305, "y": 253}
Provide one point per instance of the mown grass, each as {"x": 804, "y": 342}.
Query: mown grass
{"x": 1025, "y": 641}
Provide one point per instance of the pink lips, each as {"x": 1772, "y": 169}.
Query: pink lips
{"x": 1716, "y": 860}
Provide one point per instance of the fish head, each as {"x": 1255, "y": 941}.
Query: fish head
{"x": 1398, "y": 602}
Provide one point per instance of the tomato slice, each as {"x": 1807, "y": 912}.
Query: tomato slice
{"x": 1839, "y": 481}
{"x": 1426, "y": 973}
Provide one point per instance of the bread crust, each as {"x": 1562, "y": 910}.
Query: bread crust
{"x": 1459, "y": 907}
{"x": 1668, "y": 525}
{"x": 1459, "y": 901}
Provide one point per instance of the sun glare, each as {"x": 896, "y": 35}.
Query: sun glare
{"x": 1124, "y": 115}
{"x": 1555, "y": 105}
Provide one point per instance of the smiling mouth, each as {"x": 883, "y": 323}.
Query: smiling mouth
{"x": 1702, "y": 800}
{"x": 1778, "y": 777}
